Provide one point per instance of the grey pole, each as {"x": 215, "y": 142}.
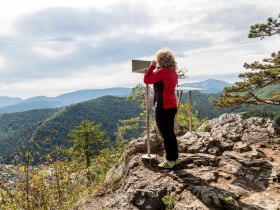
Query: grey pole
{"x": 139, "y": 66}
{"x": 148, "y": 120}
{"x": 190, "y": 110}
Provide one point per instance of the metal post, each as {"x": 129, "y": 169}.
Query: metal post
{"x": 148, "y": 119}
{"x": 148, "y": 156}
{"x": 190, "y": 110}
{"x": 140, "y": 66}
{"x": 179, "y": 93}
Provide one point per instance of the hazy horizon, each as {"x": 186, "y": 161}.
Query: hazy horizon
{"x": 180, "y": 83}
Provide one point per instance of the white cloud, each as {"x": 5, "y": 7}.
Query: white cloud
{"x": 90, "y": 78}
{"x": 84, "y": 44}
{"x": 53, "y": 50}
{"x": 2, "y": 60}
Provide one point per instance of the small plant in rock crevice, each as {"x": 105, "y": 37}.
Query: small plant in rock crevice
{"x": 169, "y": 201}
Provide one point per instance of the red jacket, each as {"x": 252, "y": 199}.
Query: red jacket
{"x": 165, "y": 81}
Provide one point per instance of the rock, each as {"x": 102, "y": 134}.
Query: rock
{"x": 146, "y": 200}
{"x": 275, "y": 175}
{"x": 227, "y": 145}
{"x": 264, "y": 200}
{"x": 255, "y": 154}
{"x": 253, "y": 175}
{"x": 139, "y": 145}
{"x": 238, "y": 191}
{"x": 224, "y": 175}
{"x": 241, "y": 147}
{"x": 188, "y": 201}
{"x": 198, "y": 143}
{"x": 229, "y": 165}
{"x": 214, "y": 197}
{"x": 199, "y": 159}
{"x": 250, "y": 177}
{"x": 116, "y": 173}
{"x": 226, "y": 126}
{"x": 270, "y": 159}
{"x": 259, "y": 129}
{"x": 278, "y": 175}
{"x": 234, "y": 128}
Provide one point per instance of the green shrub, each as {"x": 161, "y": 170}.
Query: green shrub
{"x": 169, "y": 201}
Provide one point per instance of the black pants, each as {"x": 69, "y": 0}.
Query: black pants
{"x": 165, "y": 124}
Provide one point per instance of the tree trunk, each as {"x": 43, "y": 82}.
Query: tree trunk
{"x": 87, "y": 159}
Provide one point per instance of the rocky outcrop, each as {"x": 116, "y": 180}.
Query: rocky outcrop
{"x": 231, "y": 163}
{"x": 233, "y": 127}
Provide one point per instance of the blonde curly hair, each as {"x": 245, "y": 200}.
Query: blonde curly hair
{"x": 166, "y": 59}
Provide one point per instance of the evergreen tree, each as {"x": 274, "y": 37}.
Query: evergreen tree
{"x": 262, "y": 74}
{"x": 138, "y": 94}
{"x": 87, "y": 139}
{"x": 270, "y": 28}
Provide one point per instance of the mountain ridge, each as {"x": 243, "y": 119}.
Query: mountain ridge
{"x": 7, "y": 101}
{"x": 42, "y": 102}
{"x": 10, "y": 105}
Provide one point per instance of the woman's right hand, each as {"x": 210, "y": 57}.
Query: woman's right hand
{"x": 154, "y": 62}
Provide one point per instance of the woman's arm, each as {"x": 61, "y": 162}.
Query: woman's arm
{"x": 151, "y": 77}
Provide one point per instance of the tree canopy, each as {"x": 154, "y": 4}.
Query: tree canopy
{"x": 263, "y": 74}
{"x": 87, "y": 138}
{"x": 262, "y": 30}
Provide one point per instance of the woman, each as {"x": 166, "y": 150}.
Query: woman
{"x": 165, "y": 80}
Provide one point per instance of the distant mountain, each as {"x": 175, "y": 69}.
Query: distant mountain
{"x": 39, "y": 98}
{"x": 26, "y": 106}
{"x": 10, "y": 105}
{"x": 7, "y": 101}
{"x": 43, "y": 102}
{"x": 84, "y": 95}
{"x": 210, "y": 85}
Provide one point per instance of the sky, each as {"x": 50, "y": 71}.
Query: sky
{"x": 54, "y": 47}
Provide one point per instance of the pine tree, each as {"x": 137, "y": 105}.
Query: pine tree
{"x": 262, "y": 74}
{"x": 87, "y": 139}
{"x": 138, "y": 94}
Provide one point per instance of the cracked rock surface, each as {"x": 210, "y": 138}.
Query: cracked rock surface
{"x": 234, "y": 165}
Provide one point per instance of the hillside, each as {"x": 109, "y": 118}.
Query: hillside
{"x": 233, "y": 165}
{"x": 107, "y": 110}
{"x": 202, "y": 103}
{"x": 17, "y": 128}
{"x": 53, "y": 124}
{"x": 268, "y": 90}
